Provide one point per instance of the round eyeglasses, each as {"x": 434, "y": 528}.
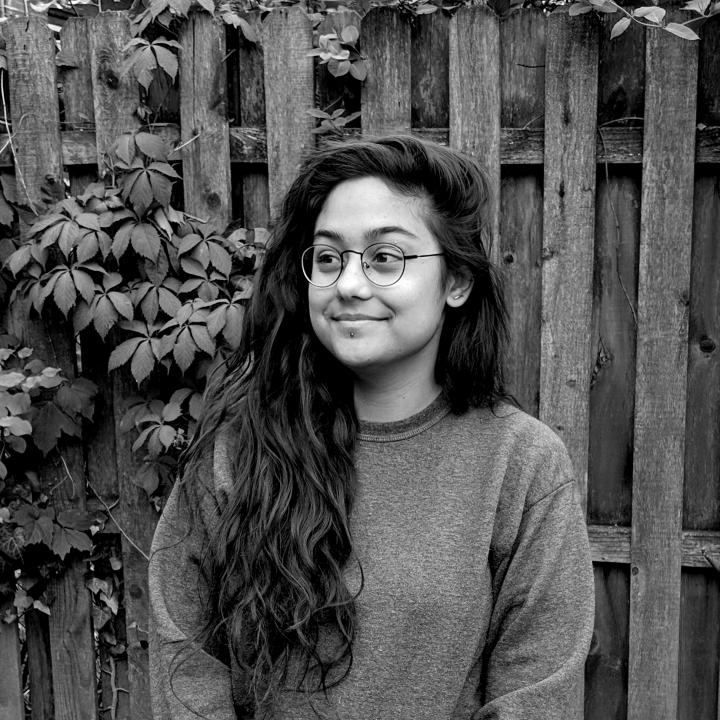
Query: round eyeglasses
{"x": 382, "y": 263}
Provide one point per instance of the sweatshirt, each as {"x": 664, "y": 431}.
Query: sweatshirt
{"x": 478, "y": 596}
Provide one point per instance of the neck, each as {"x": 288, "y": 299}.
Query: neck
{"x": 390, "y": 398}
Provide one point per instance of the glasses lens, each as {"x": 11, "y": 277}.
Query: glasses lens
{"x": 383, "y": 264}
{"x": 321, "y": 265}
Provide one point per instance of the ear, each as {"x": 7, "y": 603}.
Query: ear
{"x": 458, "y": 289}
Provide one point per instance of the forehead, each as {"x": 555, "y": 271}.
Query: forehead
{"x": 370, "y": 201}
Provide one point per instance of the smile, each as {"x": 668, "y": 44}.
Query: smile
{"x": 346, "y": 317}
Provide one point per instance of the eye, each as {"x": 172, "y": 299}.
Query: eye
{"x": 326, "y": 257}
{"x": 384, "y": 254}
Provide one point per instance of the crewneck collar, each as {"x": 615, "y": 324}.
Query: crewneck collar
{"x": 407, "y": 427}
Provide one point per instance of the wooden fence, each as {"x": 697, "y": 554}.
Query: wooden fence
{"x": 607, "y": 157}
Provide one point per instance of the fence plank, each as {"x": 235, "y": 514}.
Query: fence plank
{"x": 386, "y": 94}
{"x": 569, "y": 228}
{"x": 699, "y": 643}
{"x": 287, "y": 39}
{"x": 36, "y": 123}
{"x": 203, "y": 119}
{"x": 612, "y": 386}
{"x": 430, "y": 70}
{"x": 115, "y": 95}
{"x": 522, "y": 79}
{"x": 11, "y": 689}
{"x": 663, "y": 297}
{"x": 37, "y": 644}
{"x": 475, "y": 99}
{"x": 251, "y": 82}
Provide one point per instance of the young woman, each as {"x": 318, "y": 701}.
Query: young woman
{"x": 364, "y": 530}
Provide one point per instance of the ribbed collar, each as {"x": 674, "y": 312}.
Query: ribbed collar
{"x": 407, "y": 427}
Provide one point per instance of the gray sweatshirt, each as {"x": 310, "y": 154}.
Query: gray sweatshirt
{"x": 478, "y": 599}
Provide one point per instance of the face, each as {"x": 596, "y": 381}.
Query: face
{"x": 372, "y": 329}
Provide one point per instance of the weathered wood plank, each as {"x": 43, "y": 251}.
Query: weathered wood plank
{"x": 251, "y": 87}
{"x": 475, "y": 100}
{"x": 517, "y": 146}
{"x": 37, "y": 643}
{"x": 386, "y": 94}
{"x": 11, "y": 689}
{"x": 522, "y": 89}
{"x": 287, "y": 39}
{"x": 660, "y": 396}
{"x": 612, "y": 385}
{"x": 701, "y": 493}
{"x": 36, "y": 123}
{"x": 568, "y": 229}
{"x": 611, "y": 544}
{"x": 429, "y": 98}
{"x": 699, "y": 642}
{"x": 606, "y": 666}
{"x": 115, "y": 95}
{"x": 203, "y": 119}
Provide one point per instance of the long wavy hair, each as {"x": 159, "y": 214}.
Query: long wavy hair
{"x": 275, "y": 562}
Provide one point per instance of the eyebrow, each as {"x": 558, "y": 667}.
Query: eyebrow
{"x": 371, "y": 235}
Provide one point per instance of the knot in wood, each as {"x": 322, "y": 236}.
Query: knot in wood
{"x": 707, "y": 344}
{"x": 106, "y": 71}
{"x": 509, "y": 258}
{"x": 213, "y": 200}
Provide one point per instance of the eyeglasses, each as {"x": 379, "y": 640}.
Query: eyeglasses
{"x": 383, "y": 264}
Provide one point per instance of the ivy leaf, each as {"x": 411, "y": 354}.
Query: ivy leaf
{"x": 579, "y": 8}
{"x": 652, "y": 13}
{"x": 202, "y": 338}
{"x": 359, "y": 70}
{"x": 140, "y": 193}
{"x": 143, "y": 361}
{"x": 16, "y": 426}
{"x": 148, "y": 478}
{"x": 145, "y": 240}
{"x": 19, "y": 259}
{"x": 682, "y": 31}
{"x": 620, "y": 27}
{"x": 152, "y": 145}
{"x": 104, "y": 315}
{"x": 698, "y": 6}
{"x": 50, "y": 424}
{"x": 184, "y": 349}
{"x": 208, "y": 5}
{"x": 75, "y": 519}
{"x": 350, "y": 34}
{"x": 123, "y": 352}
{"x": 64, "y": 292}
{"x": 77, "y": 397}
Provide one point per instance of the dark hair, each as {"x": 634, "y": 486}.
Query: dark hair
{"x": 275, "y": 563}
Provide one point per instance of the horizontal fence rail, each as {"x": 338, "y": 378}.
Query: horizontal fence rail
{"x": 606, "y": 222}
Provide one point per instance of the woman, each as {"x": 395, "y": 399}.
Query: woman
{"x": 364, "y": 529}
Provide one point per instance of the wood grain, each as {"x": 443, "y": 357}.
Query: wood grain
{"x": 699, "y": 643}
{"x": 289, "y": 93}
{"x": 660, "y": 395}
{"x": 37, "y": 643}
{"x": 11, "y": 688}
{"x": 115, "y": 95}
{"x": 35, "y": 117}
{"x": 430, "y": 82}
{"x": 522, "y": 88}
{"x": 386, "y": 94}
{"x": 607, "y": 664}
{"x": 203, "y": 120}
{"x": 475, "y": 101}
{"x": 568, "y": 230}
{"x": 612, "y": 385}
{"x": 251, "y": 83}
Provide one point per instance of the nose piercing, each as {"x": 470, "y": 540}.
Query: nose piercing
{"x": 352, "y": 333}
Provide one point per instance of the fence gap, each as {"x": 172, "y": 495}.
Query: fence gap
{"x": 11, "y": 688}
{"x": 660, "y": 394}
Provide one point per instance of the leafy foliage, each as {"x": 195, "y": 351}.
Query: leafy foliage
{"x": 340, "y": 53}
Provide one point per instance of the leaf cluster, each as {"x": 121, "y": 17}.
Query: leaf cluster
{"x": 340, "y": 53}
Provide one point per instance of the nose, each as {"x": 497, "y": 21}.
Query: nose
{"x": 352, "y": 281}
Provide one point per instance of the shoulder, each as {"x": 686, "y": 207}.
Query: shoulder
{"x": 532, "y": 458}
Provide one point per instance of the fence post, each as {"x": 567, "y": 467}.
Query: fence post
{"x": 571, "y": 69}
{"x": 660, "y": 392}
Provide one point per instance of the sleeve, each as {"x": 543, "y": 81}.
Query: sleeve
{"x": 543, "y": 615}
{"x": 187, "y": 680}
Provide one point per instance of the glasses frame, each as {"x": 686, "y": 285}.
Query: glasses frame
{"x": 362, "y": 263}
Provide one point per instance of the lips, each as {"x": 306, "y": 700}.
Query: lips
{"x": 354, "y": 317}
